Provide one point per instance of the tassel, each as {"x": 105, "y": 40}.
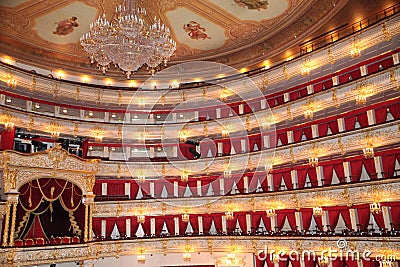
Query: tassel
{"x": 72, "y": 195}
{"x": 52, "y": 192}
{"x": 51, "y": 211}
{"x": 30, "y": 196}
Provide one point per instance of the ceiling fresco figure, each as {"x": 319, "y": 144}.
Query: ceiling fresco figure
{"x": 195, "y": 31}
{"x": 253, "y": 4}
{"x": 66, "y": 26}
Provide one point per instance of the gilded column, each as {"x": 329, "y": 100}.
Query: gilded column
{"x": 6, "y": 224}
{"x": 90, "y": 222}
{"x": 13, "y": 219}
{"x": 85, "y": 234}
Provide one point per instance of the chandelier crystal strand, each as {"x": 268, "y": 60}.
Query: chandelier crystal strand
{"x": 128, "y": 41}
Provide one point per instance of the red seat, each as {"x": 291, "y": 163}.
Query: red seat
{"x": 18, "y": 243}
{"x": 76, "y": 239}
{"x": 66, "y": 240}
{"x": 58, "y": 240}
{"x": 39, "y": 241}
{"x": 29, "y": 242}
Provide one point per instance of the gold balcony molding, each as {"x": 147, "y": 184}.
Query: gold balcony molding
{"x": 206, "y": 244}
{"x": 343, "y": 195}
{"x": 20, "y": 168}
{"x": 138, "y": 132}
{"x": 382, "y": 135}
{"x": 62, "y": 90}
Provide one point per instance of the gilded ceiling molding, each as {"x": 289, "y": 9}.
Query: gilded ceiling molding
{"x": 373, "y": 36}
{"x": 343, "y": 195}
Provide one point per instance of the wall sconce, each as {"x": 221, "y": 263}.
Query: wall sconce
{"x": 184, "y": 176}
{"x": 185, "y": 217}
{"x": 313, "y": 162}
{"x": 375, "y": 207}
{"x": 230, "y": 259}
{"x": 308, "y": 113}
{"x": 270, "y": 212}
{"x": 229, "y": 215}
{"x": 323, "y": 261}
{"x": 228, "y": 172}
{"x": 55, "y": 130}
{"x": 355, "y": 50}
{"x": 183, "y": 135}
{"x": 141, "y": 178}
{"x": 141, "y": 259}
{"x": 187, "y": 257}
{"x": 224, "y": 95}
{"x": 317, "y": 211}
{"x": 386, "y": 32}
{"x": 368, "y": 152}
{"x": 11, "y": 82}
{"x": 98, "y": 134}
{"x": 141, "y": 218}
{"x": 305, "y": 69}
{"x": 8, "y": 123}
{"x": 225, "y": 133}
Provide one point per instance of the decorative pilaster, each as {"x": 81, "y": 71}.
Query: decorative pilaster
{"x": 13, "y": 219}
{"x": 6, "y": 224}
{"x": 85, "y": 233}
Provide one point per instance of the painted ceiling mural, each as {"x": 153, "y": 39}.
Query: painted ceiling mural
{"x": 221, "y": 30}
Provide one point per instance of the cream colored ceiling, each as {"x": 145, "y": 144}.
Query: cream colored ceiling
{"x": 227, "y": 31}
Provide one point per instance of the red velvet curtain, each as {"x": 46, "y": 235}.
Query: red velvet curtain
{"x": 388, "y": 165}
{"x": 363, "y": 214}
{"x": 306, "y": 215}
{"x": 85, "y": 147}
{"x": 333, "y": 215}
{"x": 380, "y": 115}
{"x": 134, "y": 225}
{"x": 134, "y": 189}
{"x": 159, "y": 223}
{"x": 194, "y": 222}
{"x": 121, "y": 225}
{"x": 207, "y": 221}
{"x": 378, "y": 217}
{"x": 356, "y": 169}
{"x": 170, "y": 222}
{"x": 96, "y": 226}
{"x": 395, "y": 111}
{"x": 7, "y": 139}
{"x": 183, "y": 225}
{"x": 362, "y": 118}
{"x": 369, "y": 165}
{"x": 110, "y": 223}
{"x": 283, "y": 137}
{"x": 395, "y": 212}
{"x": 146, "y": 226}
{"x": 217, "y": 218}
{"x": 349, "y": 123}
{"x": 115, "y": 188}
{"x": 226, "y": 147}
{"x": 255, "y": 220}
{"x": 241, "y": 218}
{"x": 237, "y": 145}
{"x": 267, "y": 221}
{"x": 205, "y": 184}
{"x": 327, "y": 171}
{"x": 158, "y": 187}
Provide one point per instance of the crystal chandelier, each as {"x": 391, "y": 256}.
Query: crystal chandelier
{"x": 128, "y": 41}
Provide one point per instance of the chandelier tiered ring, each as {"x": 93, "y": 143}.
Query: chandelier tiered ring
{"x": 128, "y": 41}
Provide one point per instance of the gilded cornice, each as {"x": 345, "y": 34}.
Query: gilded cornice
{"x": 20, "y": 168}
{"x": 343, "y": 195}
{"x": 211, "y": 244}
